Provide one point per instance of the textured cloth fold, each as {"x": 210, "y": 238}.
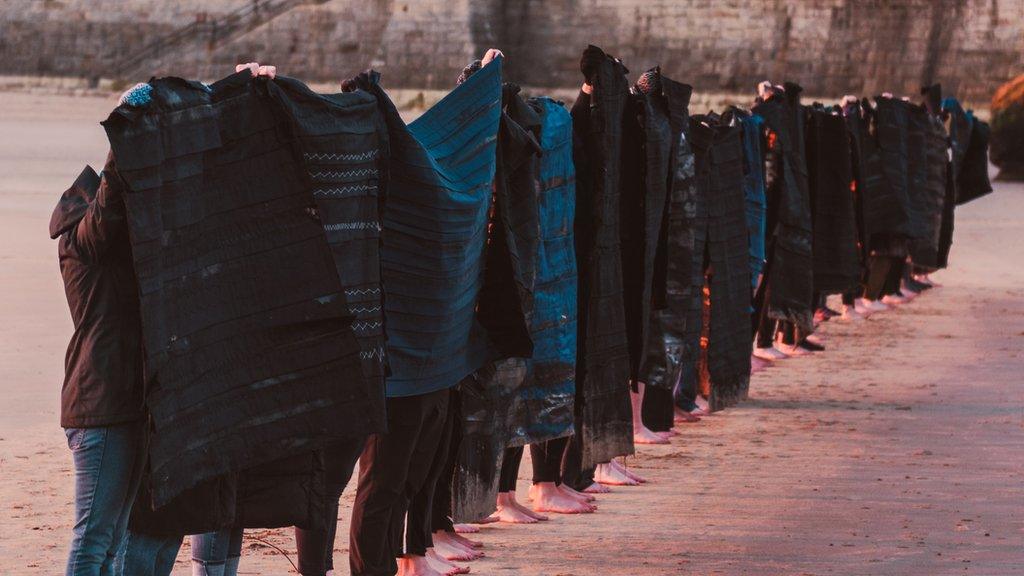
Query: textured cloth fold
{"x": 241, "y": 373}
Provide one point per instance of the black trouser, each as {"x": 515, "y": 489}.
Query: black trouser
{"x": 435, "y": 492}
{"x": 393, "y": 469}
{"x": 547, "y": 460}
{"x": 849, "y": 296}
{"x": 441, "y": 506}
{"x": 573, "y": 473}
{"x": 878, "y": 272}
{"x": 510, "y": 469}
{"x": 316, "y": 547}
{"x": 656, "y": 410}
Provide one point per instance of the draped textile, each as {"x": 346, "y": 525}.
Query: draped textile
{"x": 924, "y": 251}
{"x": 789, "y": 211}
{"x": 721, "y": 250}
{"x": 753, "y": 187}
{"x": 887, "y": 210}
{"x": 603, "y": 364}
{"x": 836, "y": 261}
{"x": 240, "y": 372}
{"x": 441, "y": 172}
{"x": 671, "y": 351}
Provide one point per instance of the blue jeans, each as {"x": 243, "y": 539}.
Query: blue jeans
{"x": 213, "y": 554}
{"x": 108, "y": 467}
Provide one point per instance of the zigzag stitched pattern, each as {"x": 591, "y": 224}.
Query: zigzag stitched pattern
{"x": 334, "y": 175}
{"x": 368, "y": 354}
{"x": 344, "y": 190}
{"x": 366, "y": 325}
{"x": 354, "y": 226}
{"x": 368, "y": 155}
{"x": 361, "y": 291}
{"x": 364, "y": 309}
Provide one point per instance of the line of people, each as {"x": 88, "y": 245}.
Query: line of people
{"x": 270, "y": 284}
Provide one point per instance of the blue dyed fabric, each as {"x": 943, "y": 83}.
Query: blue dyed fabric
{"x": 753, "y": 190}
{"x": 546, "y": 400}
{"x": 439, "y": 185}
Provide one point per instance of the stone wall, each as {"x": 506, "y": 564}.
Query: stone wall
{"x": 830, "y": 46}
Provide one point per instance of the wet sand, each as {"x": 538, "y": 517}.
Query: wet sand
{"x": 899, "y": 451}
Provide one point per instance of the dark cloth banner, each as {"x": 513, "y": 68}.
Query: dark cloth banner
{"x": 924, "y": 251}
{"x": 753, "y": 186}
{"x": 723, "y": 253}
{"x": 441, "y": 171}
{"x": 672, "y": 349}
{"x": 789, "y": 211}
{"x": 603, "y": 365}
{"x": 887, "y": 210}
{"x": 836, "y": 261}
{"x": 240, "y": 372}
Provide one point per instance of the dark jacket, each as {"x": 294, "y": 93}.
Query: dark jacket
{"x": 103, "y": 367}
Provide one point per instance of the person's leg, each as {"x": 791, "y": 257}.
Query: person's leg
{"x": 316, "y": 547}
{"x": 642, "y": 434}
{"x": 107, "y": 467}
{"x": 380, "y": 497}
{"x": 507, "y": 508}
{"x": 216, "y": 553}
{"x": 146, "y": 555}
{"x": 547, "y": 492}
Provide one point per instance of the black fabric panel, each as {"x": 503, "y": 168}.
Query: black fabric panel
{"x": 789, "y": 212}
{"x": 974, "y": 181}
{"x": 886, "y": 172}
{"x": 602, "y": 400}
{"x": 924, "y": 251}
{"x": 241, "y": 372}
{"x": 836, "y": 261}
{"x": 674, "y": 336}
{"x": 725, "y": 250}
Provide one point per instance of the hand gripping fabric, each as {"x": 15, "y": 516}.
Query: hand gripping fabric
{"x": 440, "y": 177}
{"x": 250, "y": 354}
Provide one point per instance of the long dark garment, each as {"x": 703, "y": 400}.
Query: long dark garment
{"x": 924, "y": 251}
{"x": 969, "y": 140}
{"x": 604, "y": 426}
{"x": 721, "y": 250}
{"x": 220, "y": 196}
{"x": 670, "y": 167}
{"x": 837, "y": 265}
{"x": 393, "y": 469}
{"x": 789, "y": 248}
{"x": 440, "y": 179}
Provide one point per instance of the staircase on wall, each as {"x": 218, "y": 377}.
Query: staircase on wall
{"x": 217, "y": 31}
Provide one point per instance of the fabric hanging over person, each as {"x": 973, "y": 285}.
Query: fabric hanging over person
{"x": 790, "y": 275}
{"x": 970, "y": 138}
{"x": 753, "y": 186}
{"x": 604, "y": 417}
{"x": 440, "y": 176}
{"x": 240, "y": 373}
{"x": 722, "y": 255}
{"x": 924, "y": 252}
{"x": 836, "y": 261}
{"x": 488, "y": 421}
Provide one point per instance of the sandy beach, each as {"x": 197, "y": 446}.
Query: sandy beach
{"x": 899, "y": 451}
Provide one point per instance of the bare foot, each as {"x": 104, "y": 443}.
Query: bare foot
{"x": 644, "y": 435}
{"x": 576, "y": 493}
{"x": 508, "y": 512}
{"x": 622, "y": 468}
{"x": 515, "y": 503}
{"x": 444, "y": 566}
{"x": 466, "y": 529}
{"x": 597, "y": 488}
{"x": 548, "y": 498}
{"x": 684, "y": 417}
{"x": 451, "y": 540}
{"x": 412, "y": 565}
{"x": 449, "y": 549}
{"x": 758, "y": 364}
{"x": 607, "y": 474}
{"x": 465, "y": 542}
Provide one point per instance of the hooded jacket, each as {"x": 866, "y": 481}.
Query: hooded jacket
{"x": 103, "y": 382}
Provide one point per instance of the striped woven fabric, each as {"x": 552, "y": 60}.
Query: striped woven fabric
{"x": 441, "y": 171}
{"x": 250, "y": 353}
